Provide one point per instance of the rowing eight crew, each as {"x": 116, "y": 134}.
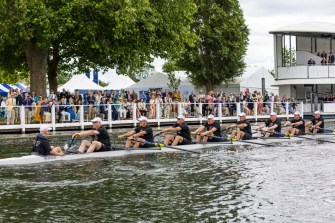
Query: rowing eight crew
{"x": 296, "y": 126}
{"x": 142, "y": 136}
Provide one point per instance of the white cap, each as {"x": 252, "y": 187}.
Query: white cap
{"x": 44, "y": 128}
{"x": 316, "y": 112}
{"x": 96, "y": 119}
{"x": 181, "y": 117}
{"x": 296, "y": 113}
{"x": 241, "y": 114}
{"x": 142, "y": 118}
{"x": 210, "y": 117}
{"x": 273, "y": 113}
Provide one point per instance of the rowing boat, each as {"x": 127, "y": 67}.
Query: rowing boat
{"x": 34, "y": 159}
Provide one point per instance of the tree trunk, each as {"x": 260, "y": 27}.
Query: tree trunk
{"x": 209, "y": 85}
{"x": 37, "y": 61}
{"x": 52, "y": 68}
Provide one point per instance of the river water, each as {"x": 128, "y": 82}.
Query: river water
{"x": 286, "y": 183}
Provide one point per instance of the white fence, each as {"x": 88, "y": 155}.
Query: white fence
{"x": 160, "y": 113}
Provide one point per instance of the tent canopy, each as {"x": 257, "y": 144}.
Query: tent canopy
{"x": 160, "y": 80}
{"x": 80, "y": 82}
{"x": 20, "y": 86}
{"x": 157, "y": 80}
{"x": 119, "y": 82}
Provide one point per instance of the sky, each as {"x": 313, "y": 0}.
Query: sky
{"x": 262, "y": 16}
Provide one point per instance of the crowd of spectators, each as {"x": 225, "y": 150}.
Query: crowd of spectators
{"x": 326, "y": 59}
{"x": 67, "y": 105}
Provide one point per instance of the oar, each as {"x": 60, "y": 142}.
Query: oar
{"x": 166, "y": 146}
{"x": 223, "y": 132}
{"x": 325, "y": 141}
{"x": 302, "y": 137}
{"x": 181, "y": 149}
{"x": 271, "y": 137}
{"x": 69, "y": 144}
{"x": 251, "y": 142}
{"x": 158, "y": 133}
{"x": 314, "y": 139}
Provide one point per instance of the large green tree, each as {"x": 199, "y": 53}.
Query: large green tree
{"x": 49, "y": 37}
{"x": 223, "y": 38}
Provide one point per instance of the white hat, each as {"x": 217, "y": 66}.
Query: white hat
{"x": 210, "y": 117}
{"x": 44, "y": 128}
{"x": 241, "y": 114}
{"x": 181, "y": 117}
{"x": 296, "y": 113}
{"x": 142, "y": 118}
{"x": 96, "y": 119}
{"x": 273, "y": 113}
{"x": 316, "y": 112}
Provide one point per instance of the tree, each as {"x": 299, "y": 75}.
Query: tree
{"x": 55, "y": 36}
{"x": 223, "y": 37}
{"x": 289, "y": 56}
{"x": 169, "y": 68}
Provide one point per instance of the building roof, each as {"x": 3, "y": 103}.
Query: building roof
{"x": 310, "y": 28}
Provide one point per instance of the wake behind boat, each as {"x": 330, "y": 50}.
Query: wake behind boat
{"x": 35, "y": 159}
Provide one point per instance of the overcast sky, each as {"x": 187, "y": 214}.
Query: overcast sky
{"x": 263, "y": 16}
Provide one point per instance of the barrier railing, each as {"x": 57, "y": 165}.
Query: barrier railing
{"x": 21, "y": 117}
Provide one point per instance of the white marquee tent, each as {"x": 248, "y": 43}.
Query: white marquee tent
{"x": 118, "y": 82}
{"x": 80, "y": 82}
{"x": 160, "y": 80}
{"x": 251, "y": 79}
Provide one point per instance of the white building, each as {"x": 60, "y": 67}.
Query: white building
{"x": 301, "y": 81}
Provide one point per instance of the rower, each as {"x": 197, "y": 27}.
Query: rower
{"x": 100, "y": 138}
{"x": 272, "y": 127}
{"x": 244, "y": 128}
{"x": 42, "y": 146}
{"x": 295, "y": 126}
{"x": 212, "y": 128}
{"x": 183, "y": 136}
{"x": 141, "y": 136}
{"x": 316, "y": 124}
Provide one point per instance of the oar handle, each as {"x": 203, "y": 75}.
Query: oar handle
{"x": 158, "y": 133}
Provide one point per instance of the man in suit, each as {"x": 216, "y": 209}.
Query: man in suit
{"x": 10, "y": 104}
{"x": 51, "y": 96}
{"x": 27, "y": 103}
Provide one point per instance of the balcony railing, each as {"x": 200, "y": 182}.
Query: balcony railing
{"x": 310, "y": 72}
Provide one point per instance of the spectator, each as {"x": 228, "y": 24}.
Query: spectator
{"x": 324, "y": 61}
{"x": 331, "y": 58}
{"x": 311, "y": 62}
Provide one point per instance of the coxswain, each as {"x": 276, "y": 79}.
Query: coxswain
{"x": 42, "y": 146}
